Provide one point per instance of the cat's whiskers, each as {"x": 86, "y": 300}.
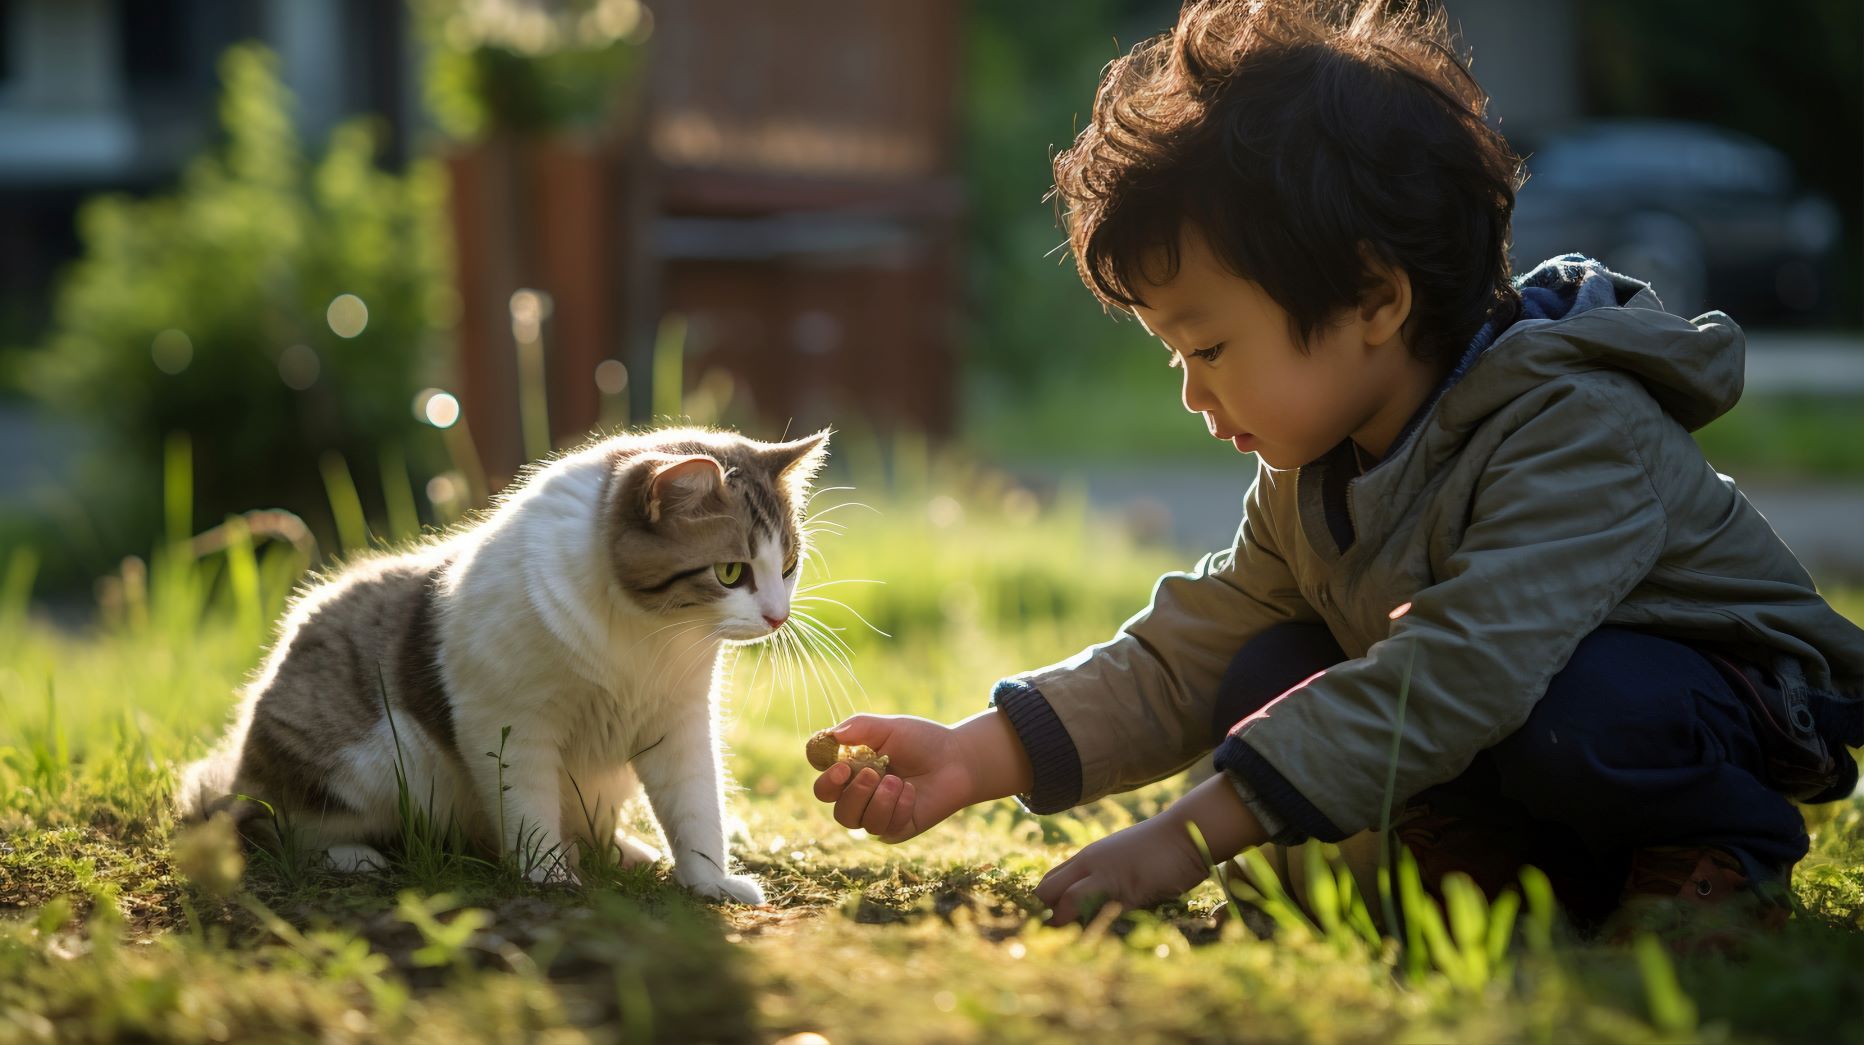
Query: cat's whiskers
{"x": 813, "y": 516}
{"x": 813, "y": 494}
{"x": 813, "y": 599}
{"x": 750, "y": 684}
{"x": 797, "y": 639}
{"x": 823, "y": 636}
{"x": 807, "y": 631}
{"x": 805, "y": 589}
{"x": 680, "y": 664}
{"x": 667, "y": 645}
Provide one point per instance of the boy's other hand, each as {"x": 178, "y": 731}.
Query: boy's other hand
{"x": 1147, "y": 863}
{"x": 931, "y": 777}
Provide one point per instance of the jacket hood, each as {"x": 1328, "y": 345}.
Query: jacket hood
{"x": 1577, "y": 315}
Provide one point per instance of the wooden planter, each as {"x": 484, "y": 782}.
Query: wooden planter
{"x": 544, "y": 213}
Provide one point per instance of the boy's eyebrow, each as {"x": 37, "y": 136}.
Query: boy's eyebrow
{"x": 1189, "y": 315}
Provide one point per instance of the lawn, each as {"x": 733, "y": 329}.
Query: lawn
{"x": 114, "y": 926}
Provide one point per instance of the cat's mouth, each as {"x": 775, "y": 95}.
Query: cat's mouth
{"x": 747, "y": 632}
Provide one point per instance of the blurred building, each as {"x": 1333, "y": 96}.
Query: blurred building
{"x": 100, "y": 95}
{"x": 790, "y": 188}
{"x": 787, "y": 185}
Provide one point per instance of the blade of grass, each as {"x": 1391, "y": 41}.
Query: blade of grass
{"x": 345, "y": 505}
{"x": 178, "y": 488}
{"x": 404, "y": 520}
{"x": 669, "y": 368}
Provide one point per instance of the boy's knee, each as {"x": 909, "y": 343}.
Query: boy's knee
{"x": 1624, "y": 700}
{"x": 1275, "y": 660}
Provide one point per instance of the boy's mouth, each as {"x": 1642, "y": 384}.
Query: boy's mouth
{"x": 1243, "y": 441}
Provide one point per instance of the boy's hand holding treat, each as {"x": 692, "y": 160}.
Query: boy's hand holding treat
{"x": 915, "y": 772}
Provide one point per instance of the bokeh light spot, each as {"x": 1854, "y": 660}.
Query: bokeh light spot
{"x": 437, "y": 408}
{"x": 347, "y": 315}
{"x": 443, "y": 489}
{"x": 611, "y": 377}
{"x": 172, "y": 351}
{"x": 298, "y": 367}
{"x": 944, "y": 512}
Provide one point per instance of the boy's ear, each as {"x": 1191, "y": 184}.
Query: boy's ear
{"x": 1385, "y": 300}
{"x": 682, "y": 483}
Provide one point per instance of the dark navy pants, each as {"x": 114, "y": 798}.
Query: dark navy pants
{"x": 1639, "y": 741}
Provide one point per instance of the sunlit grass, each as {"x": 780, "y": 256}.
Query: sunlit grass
{"x": 126, "y": 930}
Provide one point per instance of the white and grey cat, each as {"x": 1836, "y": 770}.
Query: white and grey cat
{"x": 587, "y": 612}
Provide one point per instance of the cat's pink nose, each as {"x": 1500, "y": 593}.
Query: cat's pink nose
{"x": 774, "y": 622}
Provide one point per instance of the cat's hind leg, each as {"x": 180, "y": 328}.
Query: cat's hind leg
{"x": 596, "y": 805}
{"x": 354, "y": 857}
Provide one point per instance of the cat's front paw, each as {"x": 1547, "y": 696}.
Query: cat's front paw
{"x": 551, "y": 872}
{"x": 740, "y": 887}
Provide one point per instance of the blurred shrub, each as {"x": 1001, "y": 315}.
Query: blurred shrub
{"x": 273, "y": 307}
{"x": 1029, "y": 309}
{"x": 531, "y": 66}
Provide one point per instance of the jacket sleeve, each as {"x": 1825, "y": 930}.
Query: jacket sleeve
{"x": 1138, "y": 707}
{"x": 1564, "y": 522}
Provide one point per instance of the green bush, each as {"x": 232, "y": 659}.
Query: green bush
{"x": 209, "y": 311}
{"x": 506, "y": 66}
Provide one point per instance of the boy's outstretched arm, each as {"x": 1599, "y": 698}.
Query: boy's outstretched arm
{"x": 1156, "y": 859}
{"x": 937, "y": 770}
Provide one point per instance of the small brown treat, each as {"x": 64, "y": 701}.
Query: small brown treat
{"x": 860, "y": 757}
{"x": 823, "y": 750}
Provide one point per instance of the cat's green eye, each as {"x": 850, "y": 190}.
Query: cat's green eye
{"x": 730, "y": 574}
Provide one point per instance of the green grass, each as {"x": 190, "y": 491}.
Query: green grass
{"x": 115, "y": 926}
{"x": 1789, "y": 437}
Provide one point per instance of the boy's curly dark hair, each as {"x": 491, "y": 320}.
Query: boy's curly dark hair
{"x": 1294, "y": 134}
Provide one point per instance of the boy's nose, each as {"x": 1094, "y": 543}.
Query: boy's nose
{"x": 1195, "y": 399}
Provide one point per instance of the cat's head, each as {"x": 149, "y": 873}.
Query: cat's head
{"x": 708, "y": 525}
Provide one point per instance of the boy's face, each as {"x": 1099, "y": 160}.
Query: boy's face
{"x": 1245, "y": 372}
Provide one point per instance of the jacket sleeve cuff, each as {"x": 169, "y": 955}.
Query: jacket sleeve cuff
{"x": 1051, "y": 750}
{"x": 1298, "y": 817}
{"x": 1271, "y": 822}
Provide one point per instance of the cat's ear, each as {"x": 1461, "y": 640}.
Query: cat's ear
{"x": 798, "y": 460}
{"x": 680, "y": 484}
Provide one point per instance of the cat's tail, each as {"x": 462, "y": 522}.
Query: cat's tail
{"x": 206, "y": 787}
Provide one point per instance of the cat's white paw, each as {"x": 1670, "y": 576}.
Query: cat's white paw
{"x": 739, "y": 887}
{"x": 352, "y": 859}
{"x": 551, "y": 872}
{"x": 635, "y": 852}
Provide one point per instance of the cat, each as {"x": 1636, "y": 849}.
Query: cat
{"x": 587, "y": 611}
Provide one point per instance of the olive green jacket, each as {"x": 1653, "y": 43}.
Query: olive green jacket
{"x": 1552, "y": 489}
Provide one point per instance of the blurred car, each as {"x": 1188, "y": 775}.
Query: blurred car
{"x": 1712, "y": 219}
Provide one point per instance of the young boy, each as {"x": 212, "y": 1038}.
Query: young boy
{"x": 1618, "y": 672}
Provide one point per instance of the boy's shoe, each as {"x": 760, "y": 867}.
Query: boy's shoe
{"x": 1442, "y": 843}
{"x": 1493, "y": 854}
{"x": 1698, "y": 898}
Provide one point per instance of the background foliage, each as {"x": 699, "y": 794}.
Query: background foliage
{"x": 241, "y": 263}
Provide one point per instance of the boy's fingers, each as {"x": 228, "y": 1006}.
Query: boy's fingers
{"x": 872, "y": 730}
{"x": 880, "y": 811}
{"x": 853, "y": 802}
{"x": 1068, "y": 907}
{"x": 829, "y": 785}
{"x": 1057, "y": 881}
{"x": 900, "y": 829}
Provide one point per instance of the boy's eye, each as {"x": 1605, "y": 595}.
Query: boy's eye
{"x": 730, "y": 574}
{"x": 1202, "y": 355}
